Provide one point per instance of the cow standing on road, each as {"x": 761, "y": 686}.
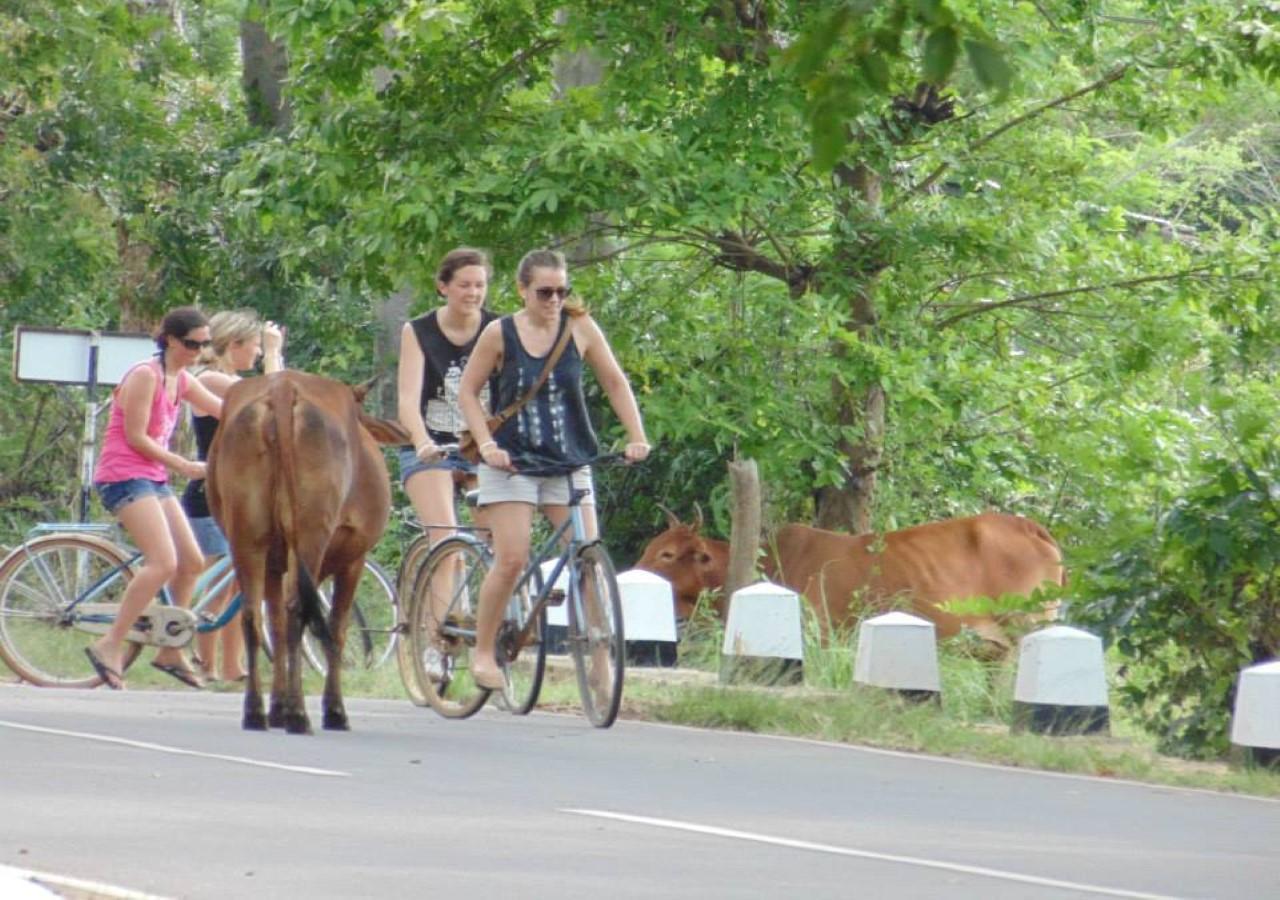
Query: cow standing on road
{"x": 298, "y": 484}
{"x": 841, "y": 575}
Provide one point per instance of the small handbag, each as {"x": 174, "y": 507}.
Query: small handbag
{"x": 468, "y": 449}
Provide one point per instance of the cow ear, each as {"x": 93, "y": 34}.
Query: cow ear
{"x": 385, "y": 431}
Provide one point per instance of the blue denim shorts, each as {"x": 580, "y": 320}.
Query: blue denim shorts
{"x": 209, "y": 536}
{"x": 410, "y": 465}
{"x": 116, "y": 495}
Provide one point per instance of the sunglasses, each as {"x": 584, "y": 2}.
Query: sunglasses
{"x": 192, "y": 344}
{"x": 546, "y": 293}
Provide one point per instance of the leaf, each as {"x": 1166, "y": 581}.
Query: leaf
{"x": 989, "y": 65}
{"x": 940, "y": 54}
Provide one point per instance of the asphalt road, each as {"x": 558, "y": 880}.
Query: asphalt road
{"x": 163, "y": 794}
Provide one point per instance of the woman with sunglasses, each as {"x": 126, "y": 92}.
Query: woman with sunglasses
{"x": 239, "y": 339}
{"x": 131, "y": 478}
{"x": 552, "y": 429}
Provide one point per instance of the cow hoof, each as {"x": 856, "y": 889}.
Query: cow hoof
{"x": 255, "y": 723}
{"x": 276, "y": 718}
{"x": 336, "y": 722}
{"x": 297, "y": 725}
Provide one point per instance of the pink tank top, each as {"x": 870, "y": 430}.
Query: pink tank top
{"x": 119, "y": 461}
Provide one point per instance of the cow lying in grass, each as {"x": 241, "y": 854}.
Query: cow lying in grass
{"x": 842, "y": 576}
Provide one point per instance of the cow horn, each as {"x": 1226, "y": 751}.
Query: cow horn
{"x": 673, "y": 521}
{"x": 697, "y": 517}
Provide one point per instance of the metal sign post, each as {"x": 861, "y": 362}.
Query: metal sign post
{"x": 73, "y": 356}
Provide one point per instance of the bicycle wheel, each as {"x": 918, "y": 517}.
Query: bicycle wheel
{"x": 411, "y": 561}
{"x": 595, "y": 636}
{"x": 371, "y": 628}
{"x": 435, "y": 653}
{"x": 42, "y": 638}
{"x": 524, "y": 666}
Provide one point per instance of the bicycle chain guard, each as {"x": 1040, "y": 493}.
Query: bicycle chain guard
{"x": 160, "y": 625}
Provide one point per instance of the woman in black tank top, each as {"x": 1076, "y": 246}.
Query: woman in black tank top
{"x": 434, "y": 349}
{"x": 552, "y": 427}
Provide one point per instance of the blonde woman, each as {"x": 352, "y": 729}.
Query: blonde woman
{"x": 239, "y": 338}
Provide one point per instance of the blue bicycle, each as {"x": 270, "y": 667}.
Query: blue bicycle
{"x": 66, "y": 580}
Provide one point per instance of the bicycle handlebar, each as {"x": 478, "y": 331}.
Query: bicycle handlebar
{"x": 557, "y": 467}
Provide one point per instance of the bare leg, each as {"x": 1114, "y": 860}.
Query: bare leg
{"x": 207, "y": 641}
{"x": 231, "y": 665}
{"x": 510, "y": 523}
{"x": 145, "y": 523}
{"x": 190, "y": 563}
{"x": 431, "y": 492}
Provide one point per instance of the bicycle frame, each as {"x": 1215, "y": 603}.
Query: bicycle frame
{"x": 209, "y": 584}
{"x": 533, "y": 571}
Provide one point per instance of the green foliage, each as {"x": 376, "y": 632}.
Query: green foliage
{"x": 1197, "y": 600}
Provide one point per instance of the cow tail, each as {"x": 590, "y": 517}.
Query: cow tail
{"x": 302, "y": 582}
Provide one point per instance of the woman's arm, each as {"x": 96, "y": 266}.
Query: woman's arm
{"x": 203, "y": 399}
{"x": 484, "y": 359}
{"x": 272, "y": 348}
{"x": 599, "y": 356}
{"x": 409, "y": 376}
{"x": 137, "y": 392}
{"x": 217, "y": 383}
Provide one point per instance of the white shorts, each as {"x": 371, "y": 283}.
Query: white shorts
{"x": 500, "y": 486}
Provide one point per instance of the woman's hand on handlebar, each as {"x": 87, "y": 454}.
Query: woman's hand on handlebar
{"x": 495, "y": 457}
{"x": 636, "y": 451}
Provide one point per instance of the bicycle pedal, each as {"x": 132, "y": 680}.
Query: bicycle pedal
{"x": 555, "y": 597}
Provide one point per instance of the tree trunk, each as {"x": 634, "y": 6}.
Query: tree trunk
{"x": 264, "y": 70}
{"x": 744, "y": 534}
{"x": 848, "y": 506}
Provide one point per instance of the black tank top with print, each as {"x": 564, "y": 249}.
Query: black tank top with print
{"x": 443, "y": 362}
{"x": 553, "y": 428}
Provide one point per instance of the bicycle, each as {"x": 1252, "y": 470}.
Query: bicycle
{"x": 435, "y": 653}
{"x": 66, "y": 579}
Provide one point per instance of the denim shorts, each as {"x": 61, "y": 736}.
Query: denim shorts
{"x": 410, "y": 465}
{"x": 209, "y": 536}
{"x": 500, "y": 486}
{"x": 116, "y": 495}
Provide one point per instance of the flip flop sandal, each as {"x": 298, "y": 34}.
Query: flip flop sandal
{"x": 182, "y": 673}
{"x": 110, "y": 677}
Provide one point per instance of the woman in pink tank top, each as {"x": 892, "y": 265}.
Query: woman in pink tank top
{"x": 132, "y": 478}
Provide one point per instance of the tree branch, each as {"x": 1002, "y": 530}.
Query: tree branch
{"x": 1114, "y": 75}
{"x": 1024, "y": 299}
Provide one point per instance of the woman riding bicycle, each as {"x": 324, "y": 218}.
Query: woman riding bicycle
{"x": 552, "y": 430}
{"x": 132, "y": 477}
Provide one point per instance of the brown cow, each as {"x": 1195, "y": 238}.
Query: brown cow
{"x": 842, "y": 575}
{"x": 299, "y": 486}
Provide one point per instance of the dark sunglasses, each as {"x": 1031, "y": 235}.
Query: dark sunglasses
{"x": 192, "y": 344}
{"x": 546, "y": 293}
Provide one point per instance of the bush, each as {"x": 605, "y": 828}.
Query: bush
{"x": 1196, "y": 603}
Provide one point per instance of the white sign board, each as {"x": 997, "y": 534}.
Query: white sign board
{"x": 62, "y": 355}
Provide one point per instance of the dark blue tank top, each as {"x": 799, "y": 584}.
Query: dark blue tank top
{"x": 553, "y": 428}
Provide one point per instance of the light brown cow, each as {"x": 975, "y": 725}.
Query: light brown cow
{"x": 299, "y": 486}
{"x": 842, "y": 576}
